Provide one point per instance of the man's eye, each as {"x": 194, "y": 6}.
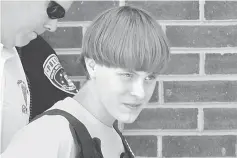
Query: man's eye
{"x": 150, "y": 77}
{"x": 128, "y": 75}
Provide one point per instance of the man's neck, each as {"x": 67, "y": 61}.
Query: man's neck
{"x": 89, "y": 100}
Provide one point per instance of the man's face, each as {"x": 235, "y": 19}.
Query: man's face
{"x": 34, "y": 20}
{"x": 123, "y": 93}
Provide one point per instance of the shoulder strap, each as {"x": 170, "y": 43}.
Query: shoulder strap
{"x": 85, "y": 139}
{"x": 128, "y": 150}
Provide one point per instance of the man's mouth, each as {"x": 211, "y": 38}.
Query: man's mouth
{"x": 132, "y": 106}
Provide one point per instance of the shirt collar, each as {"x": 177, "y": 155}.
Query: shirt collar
{"x": 7, "y": 53}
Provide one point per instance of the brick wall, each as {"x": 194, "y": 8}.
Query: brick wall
{"x": 193, "y": 111}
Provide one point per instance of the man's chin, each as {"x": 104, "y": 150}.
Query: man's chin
{"x": 128, "y": 119}
{"x": 22, "y": 43}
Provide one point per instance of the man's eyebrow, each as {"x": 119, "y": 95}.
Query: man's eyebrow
{"x": 154, "y": 73}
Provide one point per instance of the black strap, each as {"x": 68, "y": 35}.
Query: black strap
{"x": 128, "y": 152}
{"x": 85, "y": 139}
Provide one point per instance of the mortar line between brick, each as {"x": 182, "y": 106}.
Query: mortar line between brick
{"x": 161, "y": 92}
{"x": 201, "y": 10}
{"x": 202, "y": 64}
{"x": 197, "y": 22}
{"x": 236, "y": 148}
{"x": 122, "y": 2}
{"x": 200, "y": 119}
{"x": 159, "y": 146}
{"x": 84, "y": 31}
{"x": 218, "y": 77}
{"x": 163, "y": 28}
{"x": 176, "y": 132}
{"x": 218, "y": 50}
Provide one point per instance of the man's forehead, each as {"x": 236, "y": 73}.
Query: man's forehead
{"x": 141, "y": 73}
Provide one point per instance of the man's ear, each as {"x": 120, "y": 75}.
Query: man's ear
{"x": 90, "y": 66}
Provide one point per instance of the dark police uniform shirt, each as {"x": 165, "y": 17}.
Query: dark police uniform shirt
{"x": 47, "y": 79}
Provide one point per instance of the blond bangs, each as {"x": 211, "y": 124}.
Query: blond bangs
{"x": 127, "y": 38}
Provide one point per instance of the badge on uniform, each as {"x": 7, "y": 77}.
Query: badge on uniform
{"x": 57, "y": 75}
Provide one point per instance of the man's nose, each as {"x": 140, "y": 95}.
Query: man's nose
{"x": 138, "y": 90}
{"x": 51, "y": 25}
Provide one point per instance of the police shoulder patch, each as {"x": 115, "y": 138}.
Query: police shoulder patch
{"x": 57, "y": 75}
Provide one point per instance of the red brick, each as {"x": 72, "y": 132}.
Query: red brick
{"x": 220, "y": 10}
{"x": 165, "y": 119}
{"x": 65, "y": 37}
{"x": 199, "y": 146}
{"x": 155, "y": 95}
{"x": 183, "y": 64}
{"x": 170, "y": 10}
{"x": 87, "y": 10}
{"x": 71, "y": 64}
{"x": 143, "y": 145}
{"x": 202, "y": 36}
{"x": 200, "y": 91}
{"x": 221, "y": 64}
{"x": 220, "y": 119}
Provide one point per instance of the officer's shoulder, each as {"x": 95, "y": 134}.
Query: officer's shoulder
{"x": 39, "y": 41}
{"x": 38, "y": 45}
